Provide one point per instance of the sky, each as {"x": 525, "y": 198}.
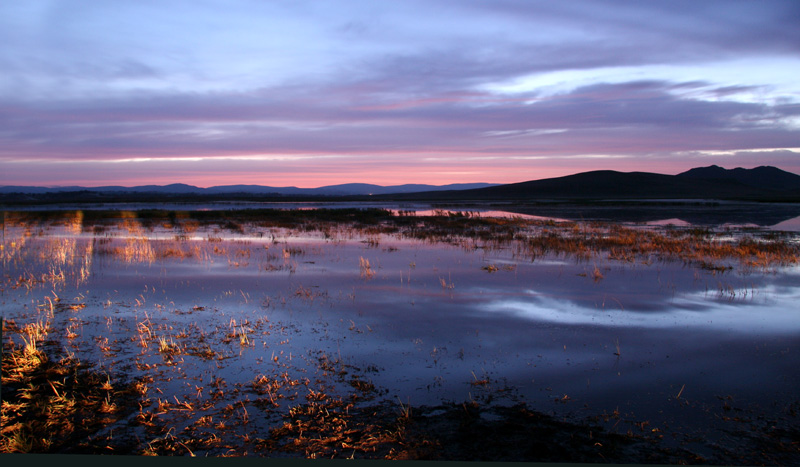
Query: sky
{"x": 315, "y": 93}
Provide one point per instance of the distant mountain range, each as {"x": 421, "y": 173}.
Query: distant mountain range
{"x": 349, "y": 189}
{"x": 713, "y": 182}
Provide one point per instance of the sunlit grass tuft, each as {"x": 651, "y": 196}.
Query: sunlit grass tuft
{"x": 365, "y": 268}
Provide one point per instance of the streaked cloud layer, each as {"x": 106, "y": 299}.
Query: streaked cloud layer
{"x": 318, "y": 93}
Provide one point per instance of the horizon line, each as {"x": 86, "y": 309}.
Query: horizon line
{"x": 365, "y": 183}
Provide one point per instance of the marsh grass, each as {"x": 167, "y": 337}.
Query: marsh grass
{"x": 597, "y": 274}
{"x": 167, "y": 346}
{"x": 705, "y": 247}
{"x": 479, "y": 382}
{"x": 44, "y": 394}
{"x": 240, "y": 333}
{"x": 447, "y": 284}
{"x": 330, "y": 427}
{"x": 365, "y": 269}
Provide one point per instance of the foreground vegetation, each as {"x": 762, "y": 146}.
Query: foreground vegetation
{"x": 52, "y": 403}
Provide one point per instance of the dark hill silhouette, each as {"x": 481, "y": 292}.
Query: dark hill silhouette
{"x": 764, "y": 177}
{"x": 762, "y": 183}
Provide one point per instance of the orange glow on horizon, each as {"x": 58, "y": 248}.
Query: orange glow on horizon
{"x": 443, "y": 176}
{"x": 386, "y": 169}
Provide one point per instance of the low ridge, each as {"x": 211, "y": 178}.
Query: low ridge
{"x": 761, "y": 183}
{"x": 713, "y": 182}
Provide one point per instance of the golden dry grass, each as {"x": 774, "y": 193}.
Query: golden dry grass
{"x": 53, "y": 404}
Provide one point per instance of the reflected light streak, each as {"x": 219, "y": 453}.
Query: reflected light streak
{"x": 733, "y": 310}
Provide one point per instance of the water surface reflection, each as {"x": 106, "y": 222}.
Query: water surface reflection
{"x": 433, "y": 320}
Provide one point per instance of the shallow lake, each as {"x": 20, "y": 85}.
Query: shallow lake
{"x": 668, "y": 343}
{"x": 700, "y": 212}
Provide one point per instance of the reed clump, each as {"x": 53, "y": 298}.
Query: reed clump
{"x": 631, "y": 244}
{"x": 330, "y": 427}
{"x": 365, "y": 268}
{"x": 57, "y": 404}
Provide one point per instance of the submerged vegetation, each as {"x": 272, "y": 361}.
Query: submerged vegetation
{"x": 146, "y": 383}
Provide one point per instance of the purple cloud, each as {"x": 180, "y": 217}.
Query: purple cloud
{"x": 393, "y": 92}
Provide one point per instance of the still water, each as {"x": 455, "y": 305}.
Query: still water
{"x": 672, "y": 344}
